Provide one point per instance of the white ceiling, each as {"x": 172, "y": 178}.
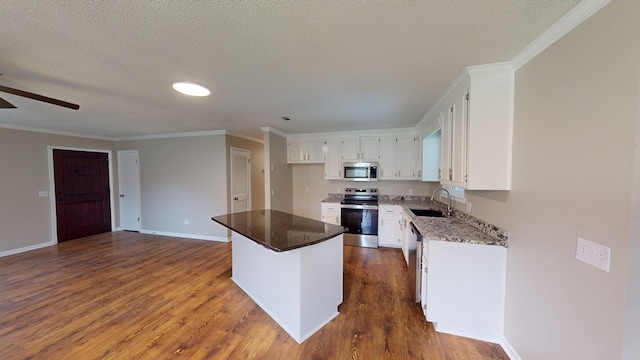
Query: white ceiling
{"x": 329, "y": 66}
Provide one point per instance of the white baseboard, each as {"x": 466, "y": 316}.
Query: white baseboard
{"x": 511, "y": 352}
{"x": 188, "y": 236}
{"x": 26, "y": 248}
{"x": 475, "y": 336}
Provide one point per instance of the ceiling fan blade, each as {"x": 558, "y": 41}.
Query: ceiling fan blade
{"x": 4, "y": 104}
{"x": 38, "y": 97}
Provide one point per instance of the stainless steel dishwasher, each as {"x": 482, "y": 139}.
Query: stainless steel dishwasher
{"x": 415, "y": 261}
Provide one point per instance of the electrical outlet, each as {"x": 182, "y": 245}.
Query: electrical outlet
{"x": 185, "y": 221}
{"x": 594, "y": 254}
{"x": 273, "y": 192}
{"x": 410, "y": 191}
{"x": 43, "y": 193}
{"x": 306, "y": 189}
{"x": 469, "y": 206}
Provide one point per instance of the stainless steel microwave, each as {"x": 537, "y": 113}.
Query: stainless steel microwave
{"x": 361, "y": 171}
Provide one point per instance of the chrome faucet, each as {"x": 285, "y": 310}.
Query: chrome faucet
{"x": 448, "y": 195}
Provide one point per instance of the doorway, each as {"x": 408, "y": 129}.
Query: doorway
{"x": 82, "y": 193}
{"x": 240, "y": 180}
{"x": 129, "y": 188}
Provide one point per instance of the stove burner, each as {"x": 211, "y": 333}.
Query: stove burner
{"x": 356, "y": 196}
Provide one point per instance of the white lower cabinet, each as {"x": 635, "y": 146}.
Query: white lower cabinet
{"x": 331, "y": 213}
{"x": 405, "y": 230}
{"x": 466, "y": 289}
{"x": 389, "y": 219}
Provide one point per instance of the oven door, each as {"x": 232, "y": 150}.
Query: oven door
{"x": 360, "y": 219}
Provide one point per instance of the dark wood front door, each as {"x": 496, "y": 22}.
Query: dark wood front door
{"x": 82, "y": 193}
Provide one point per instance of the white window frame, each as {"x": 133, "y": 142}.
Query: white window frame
{"x": 457, "y": 193}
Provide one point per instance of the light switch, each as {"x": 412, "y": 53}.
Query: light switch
{"x": 594, "y": 254}
{"x": 43, "y": 193}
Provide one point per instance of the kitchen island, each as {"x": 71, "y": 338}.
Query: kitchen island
{"x": 289, "y": 265}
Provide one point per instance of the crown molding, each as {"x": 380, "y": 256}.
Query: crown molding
{"x": 274, "y": 130}
{"x": 565, "y": 24}
{"x": 54, "y": 132}
{"x": 172, "y": 135}
{"x": 568, "y": 22}
{"x": 244, "y": 137}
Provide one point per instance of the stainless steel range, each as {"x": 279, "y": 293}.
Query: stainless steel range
{"x": 359, "y": 213}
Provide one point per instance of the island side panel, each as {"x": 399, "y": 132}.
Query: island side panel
{"x": 271, "y": 279}
{"x": 322, "y": 284}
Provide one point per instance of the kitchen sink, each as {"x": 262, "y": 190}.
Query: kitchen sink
{"x": 427, "y": 212}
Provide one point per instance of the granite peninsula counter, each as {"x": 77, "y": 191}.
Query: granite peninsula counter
{"x": 289, "y": 265}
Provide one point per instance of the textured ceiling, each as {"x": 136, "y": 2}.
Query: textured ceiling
{"x": 329, "y": 66}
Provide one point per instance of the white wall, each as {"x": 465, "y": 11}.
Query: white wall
{"x": 632, "y": 321}
{"x": 278, "y": 174}
{"x": 576, "y": 107}
{"x": 182, "y": 178}
{"x": 25, "y": 218}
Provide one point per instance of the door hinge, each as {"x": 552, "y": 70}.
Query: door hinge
{"x": 249, "y": 161}
{"x": 138, "y": 219}
{"x": 467, "y": 96}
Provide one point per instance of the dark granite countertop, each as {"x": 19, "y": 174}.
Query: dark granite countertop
{"x": 277, "y": 230}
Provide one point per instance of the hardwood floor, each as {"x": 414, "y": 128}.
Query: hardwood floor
{"x": 124, "y": 295}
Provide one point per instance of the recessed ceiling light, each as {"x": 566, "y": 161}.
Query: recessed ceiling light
{"x": 190, "y": 88}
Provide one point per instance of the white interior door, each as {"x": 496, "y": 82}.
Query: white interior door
{"x": 129, "y": 185}
{"x": 240, "y": 180}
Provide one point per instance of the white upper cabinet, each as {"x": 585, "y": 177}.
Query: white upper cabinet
{"x": 305, "y": 150}
{"x": 387, "y": 167}
{"x": 476, "y": 124}
{"x": 363, "y": 148}
{"x": 397, "y": 152}
{"x": 459, "y": 114}
{"x": 405, "y": 155}
{"x": 333, "y": 165}
{"x": 490, "y": 131}
{"x": 445, "y": 118}
{"x": 399, "y": 158}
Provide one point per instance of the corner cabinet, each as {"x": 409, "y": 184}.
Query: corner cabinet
{"x": 476, "y": 123}
{"x": 305, "y": 151}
